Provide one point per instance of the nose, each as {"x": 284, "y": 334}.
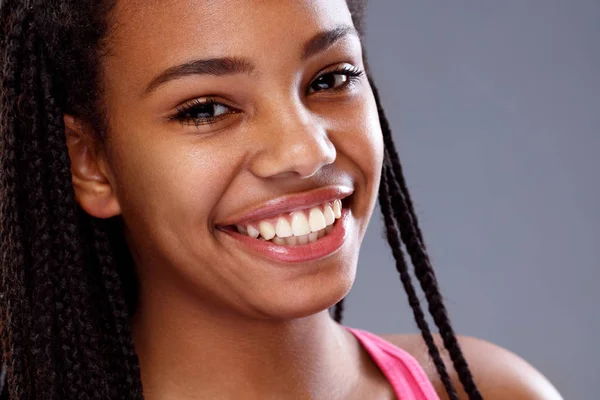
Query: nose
{"x": 292, "y": 141}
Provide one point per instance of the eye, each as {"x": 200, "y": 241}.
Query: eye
{"x": 336, "y": 80}
{"x": 202, "y": 112}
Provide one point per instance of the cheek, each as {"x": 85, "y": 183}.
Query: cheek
{"x": 359, "y": 142}
{"x": 172, "y": 184}
{"x": 359, "y": 138}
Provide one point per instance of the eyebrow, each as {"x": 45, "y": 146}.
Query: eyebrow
{"x": 232, "y": 65}
{"x": 324, "y": 40}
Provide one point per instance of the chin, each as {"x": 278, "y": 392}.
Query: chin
{"x": 306, "y": 297}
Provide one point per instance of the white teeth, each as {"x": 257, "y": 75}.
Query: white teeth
{"x": 252, "y": 231}
{"x": 266, "y": 230}
{"x": 283, "y": 228}
{"x": 279, "y": 241}
{"x": 300, "y": 225}
{"x": 303, "y": 239}
{"x": 301, "y": 230}
{"x": 328, "y": 214}
{"x": 291, "y": 241}
{"x": 316, "y": 220}
{"x": 337, "y": 209}
{"x": 269, "y": 232}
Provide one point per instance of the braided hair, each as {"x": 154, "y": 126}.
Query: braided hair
{"x": 67, "y": 282}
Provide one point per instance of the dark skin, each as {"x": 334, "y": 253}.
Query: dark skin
{"x": 214, "y": 321}
{"x": 498, "y": 373}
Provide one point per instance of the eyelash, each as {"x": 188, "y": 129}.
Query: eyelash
{"x": 353, "y": 73}
{"x": 185, "y": 111}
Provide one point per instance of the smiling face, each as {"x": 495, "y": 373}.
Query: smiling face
{"x": 238, "y": 112}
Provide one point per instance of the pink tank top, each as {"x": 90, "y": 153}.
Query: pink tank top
{"x": 400, "y": 368}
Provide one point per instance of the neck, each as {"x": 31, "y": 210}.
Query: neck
{"x": 190, "y": 352}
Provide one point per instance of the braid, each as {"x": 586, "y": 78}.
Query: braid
{"x": 391, "y": 227}
{"x": 338, "y": 311}
{"x": 411, "y": 236}
{"x": 129, "y": 376}
{"x": 63, "y": 307}
{"x": 395, "y": 165}
{"x": 12, "y": 252}
{"x": 36, "y": 214}
{"x": 75, "y": 285}
{"x": 51, "y": 275}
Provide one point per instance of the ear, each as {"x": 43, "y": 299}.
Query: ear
{"x": 94, "y": 191}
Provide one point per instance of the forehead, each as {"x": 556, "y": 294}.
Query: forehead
{"x": 218, "y": 27}
{"x": 150, "y": 36}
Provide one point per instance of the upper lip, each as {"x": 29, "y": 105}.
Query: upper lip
{"x": 289, "y": 203}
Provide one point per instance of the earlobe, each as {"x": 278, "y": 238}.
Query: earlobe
{"x": 94, "y": 191}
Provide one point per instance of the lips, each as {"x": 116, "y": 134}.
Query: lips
{"x": 288, "y": 250}
{"x": 288, "y": 204}
{"x": 321, "y": 248}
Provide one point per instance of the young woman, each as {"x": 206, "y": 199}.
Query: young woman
{"x": 184, "y": 187}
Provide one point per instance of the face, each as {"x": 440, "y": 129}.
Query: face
{"x": 229, "y": 117}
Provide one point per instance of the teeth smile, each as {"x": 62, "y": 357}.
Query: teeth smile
{"x": 296, "y": 228}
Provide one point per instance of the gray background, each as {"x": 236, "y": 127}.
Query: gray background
{"x": 495, "y": 108}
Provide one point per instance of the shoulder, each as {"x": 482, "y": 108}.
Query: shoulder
{"x": 498, "y": 373}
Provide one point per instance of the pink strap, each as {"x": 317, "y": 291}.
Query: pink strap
{"x": 402, "y": 370}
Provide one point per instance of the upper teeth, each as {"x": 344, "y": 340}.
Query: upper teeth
{"x": 298, "y": 223}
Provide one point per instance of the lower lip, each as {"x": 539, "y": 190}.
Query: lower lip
{"x": 323, "y": 247}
